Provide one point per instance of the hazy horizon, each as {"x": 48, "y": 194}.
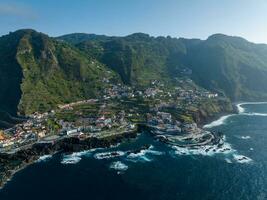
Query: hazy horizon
{"x": 180, "y": 19}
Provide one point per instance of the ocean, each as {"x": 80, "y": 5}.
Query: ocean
{"x": 160, "y": 172}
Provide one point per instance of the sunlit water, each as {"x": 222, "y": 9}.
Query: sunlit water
{"x": 159, "y": 172}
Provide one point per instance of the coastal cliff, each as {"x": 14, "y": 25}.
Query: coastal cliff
{"x": 209, "y": 112}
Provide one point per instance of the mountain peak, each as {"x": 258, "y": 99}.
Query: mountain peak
{"x": 226, "y": 38}
{"x": 140, "y": 36}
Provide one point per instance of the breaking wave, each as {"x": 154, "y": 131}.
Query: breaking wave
{"x": 44, "y": 158}
{"x": 245, "y": 137}
{"x": 218, "y": 122}
{"x": 144, "y": 155}
{"x": 75, "y": 157}
{"x": 241, "y": 111}
{"x": 118, "y": 165}
{"x": 242, "y": 159}
{"x": 107, "y": 155}
{"x": 207, "y": 150}
{"x": 70, "y": 160}
{"x": 231, "y": 155}
{"x": 240, "y": 108}
{"x": 254, "y": 114}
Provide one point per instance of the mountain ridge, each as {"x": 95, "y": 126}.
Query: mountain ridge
{"x": 40, "y": 72}
{"x": 231, "y": 60}
{"x": 50, "y": 72}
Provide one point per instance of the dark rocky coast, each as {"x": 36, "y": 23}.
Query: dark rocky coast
{"x": 11, "y": 163}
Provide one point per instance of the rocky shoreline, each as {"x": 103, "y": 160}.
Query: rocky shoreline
{"x": 12, "y": 163}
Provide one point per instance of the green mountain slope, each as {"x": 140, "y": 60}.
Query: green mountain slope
{"x": 76, "y": 38}
{"x": 137, "y": 58}
{"x": 40, "y": 72}
{"x": 229, "y": 65}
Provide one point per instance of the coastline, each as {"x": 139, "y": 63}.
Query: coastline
{"x": 220, "y": 117}
{"x": 237, "y": 110}
{"x": 70, "y": 145}
{"x": 210, "y": 119}
{"x": 73, "y": 144}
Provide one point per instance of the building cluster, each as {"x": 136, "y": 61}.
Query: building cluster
{"x": 163, "y": 121}
{"x": 26, "y": 133}
{"x": 117, "y": 91}
{"x": 36, "y": 128}
{"x": 192, "y": 96}
{"x": 158, "y": 90}
{"x": 94, "y": 125}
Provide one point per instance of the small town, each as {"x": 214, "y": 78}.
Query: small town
{"x": 119, "y": 110}
{"x": 133, "y": 100}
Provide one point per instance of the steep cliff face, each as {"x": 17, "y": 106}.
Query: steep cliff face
{"x": 210, "y": 111}
{"x": 10, "y": 73}
{"x": 38, "y": 73}
{"x": 229, "y": 65}
{"x": 137, "y": 58}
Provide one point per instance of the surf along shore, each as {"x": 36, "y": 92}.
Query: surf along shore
{"x": 12, "y": 163}
{"x": 239, "y": 110}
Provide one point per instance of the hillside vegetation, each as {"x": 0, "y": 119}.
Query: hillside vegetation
{"x": 228, "y": 65}
{"x": 38, "y": 72}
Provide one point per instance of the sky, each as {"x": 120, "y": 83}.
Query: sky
{"x": 176, "y": 18}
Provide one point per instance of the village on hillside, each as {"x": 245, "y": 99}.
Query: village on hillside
{"x": 168, "y": 110}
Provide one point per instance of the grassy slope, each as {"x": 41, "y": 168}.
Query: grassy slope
{"x": 229, "y": 65}
{"x": 40, "y": 72}
{"x": 137, "y": 58}
{"x": 45, "y": 72}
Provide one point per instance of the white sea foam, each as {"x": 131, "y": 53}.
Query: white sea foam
{"x": 212, "y": 150}
{"x": 70, "y": 160}
{"x": 141, "y": 156}
{"x": 115, "y": 145}
{"x": 75, "y": 157}
{"x": 44, "y": 158}
{"x": 82, "y": 153}
{"x": 206, "y": 150}
{"x": 242, "y": 109}
{"x": 238, "y": 158}
{"x": 228, "y": 160}
{"x": 218, "y": 122}
{"x": 242, "y": 159}
{"x": 254, "y": 114}
{"x": 107, "y": 155}
{"x": 245, "y": 137}
{"x": 144, "y": 154}
{"x": 118, "y": 165}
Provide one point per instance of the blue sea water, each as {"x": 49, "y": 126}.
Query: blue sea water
{"x": 159, "y": 173}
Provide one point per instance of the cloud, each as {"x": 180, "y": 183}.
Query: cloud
{"x": 17, "y": 11}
